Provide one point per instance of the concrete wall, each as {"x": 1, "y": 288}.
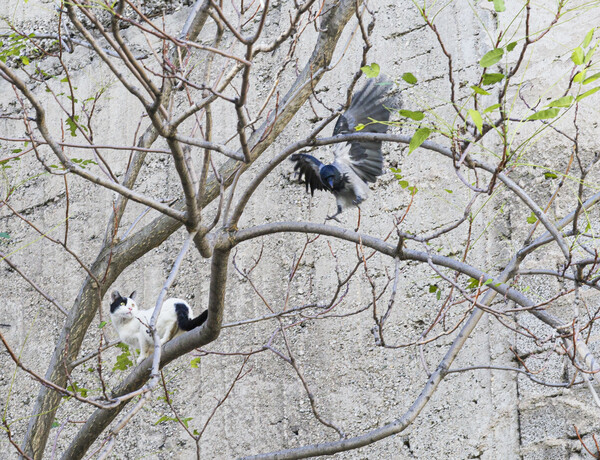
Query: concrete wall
{"x": 358, "y": 385}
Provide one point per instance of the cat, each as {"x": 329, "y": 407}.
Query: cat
{"x": 132, "y": 324}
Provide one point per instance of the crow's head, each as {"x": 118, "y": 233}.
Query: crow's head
{"x": 332, "y": 178}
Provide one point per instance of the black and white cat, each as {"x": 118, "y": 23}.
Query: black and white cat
{"x": 132, "y": 324}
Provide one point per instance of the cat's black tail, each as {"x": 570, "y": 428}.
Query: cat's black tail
{"x": 183, "y": 317}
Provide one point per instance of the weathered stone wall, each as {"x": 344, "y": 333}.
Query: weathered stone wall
{"x": 479, "y": 414}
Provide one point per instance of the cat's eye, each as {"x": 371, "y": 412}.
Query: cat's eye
{"x": 122, "y": 304}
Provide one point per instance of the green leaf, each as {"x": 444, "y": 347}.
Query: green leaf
{"x": 588, "y": 38}
{"x": 123, "y": 361}
{"x": 419, "y": 137}
{"x": 491, "y": 108}
{"x": 433, "y": 288}
{"x": 447, "y": 190}
{"x": 588, "y": 56}
{"x": 491, "y": 78}
{"x": 580, "y": 77}
{"x": 532, "y": 219}
{"x": 499, "y": 6}
{"x": 76, "y": 389}
{"x": 164, "y": 418}
{"x": 371, "y": 71}
{"x": 590, "y": 53}
{"x": 511, "y": 46}
{"x": 544, "y": 114}
{"x": 64, "y": 80}
{"x": 25, "y": 60}
{"x": 72, "y": 125}
{"x": 102, "y": 324}
{"x": 403, "y": 183}
{"x": 194, "y": 363}
{"x": 186, "y": 420}
{"x": 587, "y": 93}
{"x": 4, "y": 235}
{"x": 562, "y": 102}
{"x": 55, "y": 424}
{"x": 417, "y": 116}
{"x": 397, "y": 173}
{"x": 413, "y": 190}
{"x": 478, "y": 90}
{"x": 438, "y": 295}
{"x": 550, "y": 175}
{"x": 577, "y": 56}
{"x": 409, "y": 78}
{"x": 196, "y": 433}
{"x": 491, "y": 57}
{"x": 359, "y": 127}
{"x": 476, "y": 117}
{"x": 473, "y": 283}
{"x": 591, "y": 79}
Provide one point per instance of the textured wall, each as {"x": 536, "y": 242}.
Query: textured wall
{"x": 480, "y": 414}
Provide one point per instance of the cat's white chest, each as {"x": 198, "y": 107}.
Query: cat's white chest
{"x": 129, "y": 331}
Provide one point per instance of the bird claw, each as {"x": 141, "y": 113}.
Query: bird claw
{"x": 358, "y": 200}
{"x": 334, "y": 217}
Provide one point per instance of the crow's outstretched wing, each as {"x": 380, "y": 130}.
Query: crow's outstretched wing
{"x": 364, "y": 158}
{"x": 309, "y": 167}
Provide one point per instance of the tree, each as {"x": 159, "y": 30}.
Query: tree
{"x": 481, "y": 130}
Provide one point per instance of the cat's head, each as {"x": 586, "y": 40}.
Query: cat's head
{"x": 122, "y": 306}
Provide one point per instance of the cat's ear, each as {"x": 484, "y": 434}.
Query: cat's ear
{"x": 132, "y": 295}
{"x": 114, "y": 295}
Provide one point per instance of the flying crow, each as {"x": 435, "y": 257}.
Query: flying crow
{"x": 355, "y": 163}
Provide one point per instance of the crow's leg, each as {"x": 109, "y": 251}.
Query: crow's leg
{"x": 334, "y": 217}
{"x": 358, "y": 200}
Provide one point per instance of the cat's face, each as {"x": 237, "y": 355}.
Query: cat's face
{"x": 122, "y": 307}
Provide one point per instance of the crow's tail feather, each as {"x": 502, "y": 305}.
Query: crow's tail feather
{"x": 183, "y": 317}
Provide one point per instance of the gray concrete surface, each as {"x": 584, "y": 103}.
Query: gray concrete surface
{"x": 480, "y": 414}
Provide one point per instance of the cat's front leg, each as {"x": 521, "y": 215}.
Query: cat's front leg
{"x": 146, "y": 347}
{"x": 141, "y": 357}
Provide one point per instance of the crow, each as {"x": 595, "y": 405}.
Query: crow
{"x": 355, "y": 163}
